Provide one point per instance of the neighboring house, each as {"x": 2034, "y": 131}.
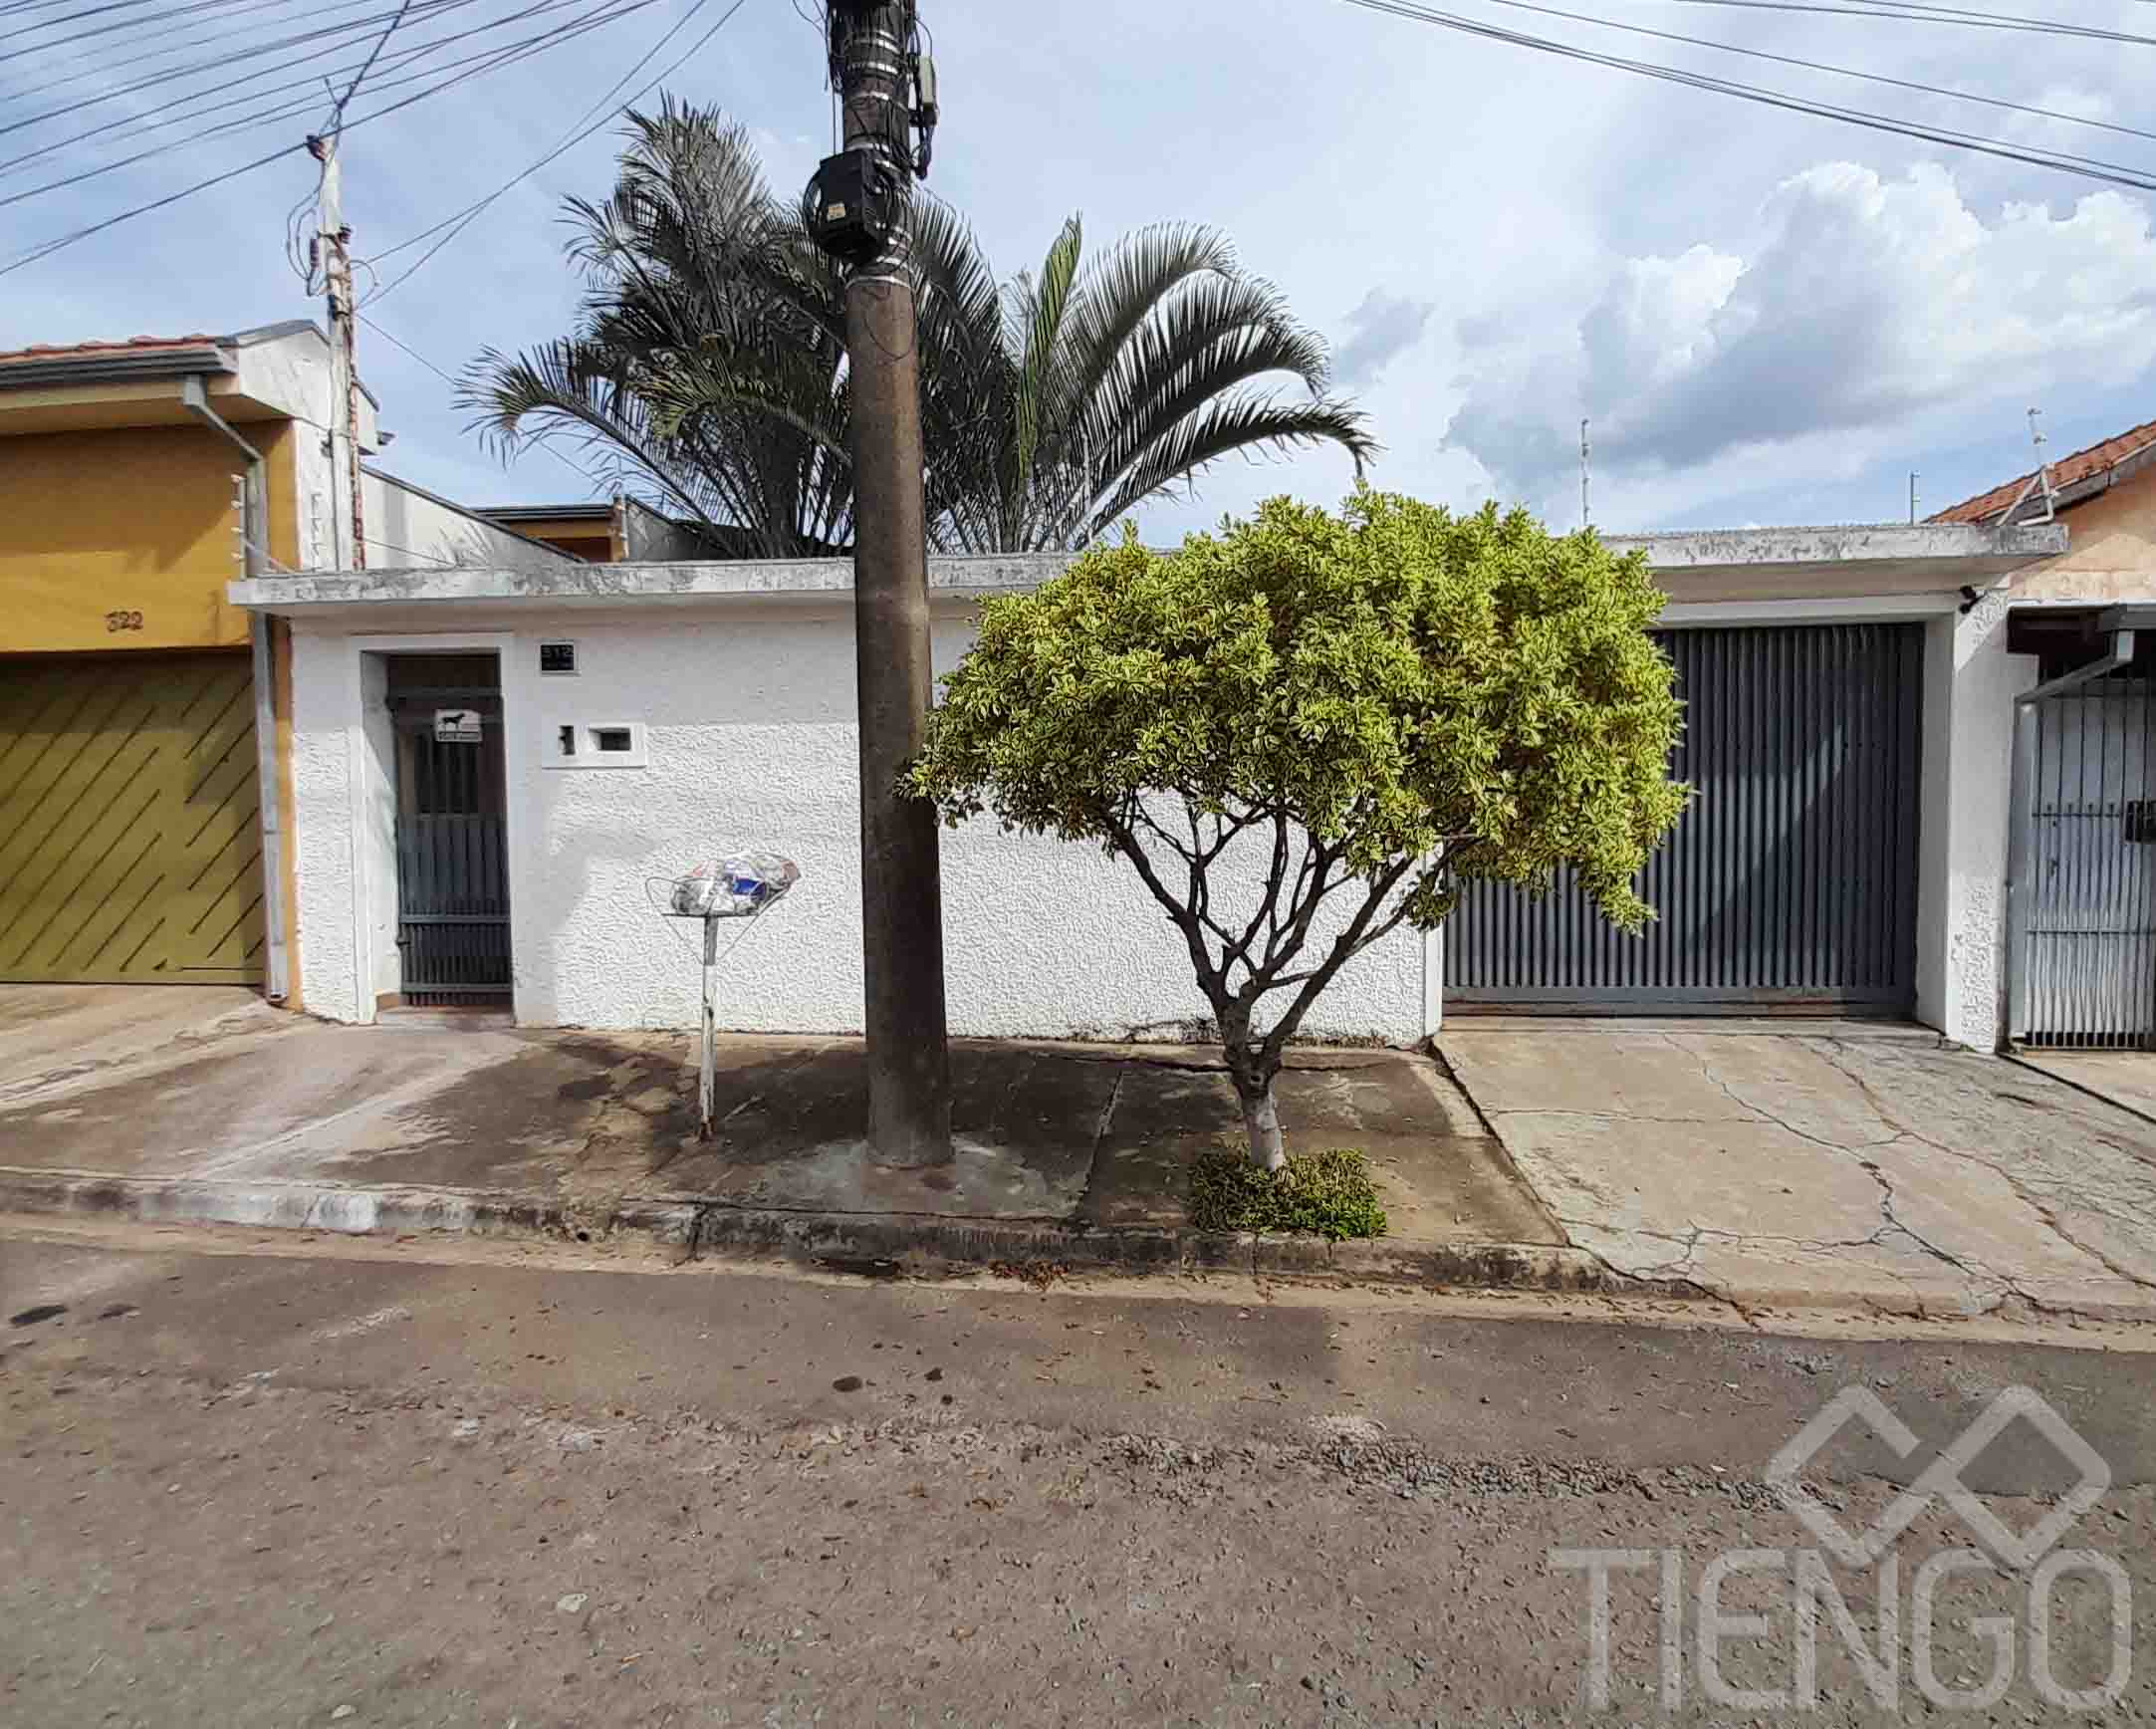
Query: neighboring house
{"x": 2064, "y": 743}
{"x": 140, "y": 713}
{"x": 620, "y": 532}
{"x": 1842, "y": 856}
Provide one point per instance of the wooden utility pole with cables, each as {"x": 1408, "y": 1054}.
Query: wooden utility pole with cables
{"x": 858, "y": 208}
{"x": 348, "y": 534}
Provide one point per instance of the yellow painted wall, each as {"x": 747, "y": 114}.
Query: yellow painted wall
{"x": 2110, "y": 547}
{"x": 97, "y": 526}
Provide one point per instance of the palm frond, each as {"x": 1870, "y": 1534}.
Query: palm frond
{"x": 1240, "y": 420}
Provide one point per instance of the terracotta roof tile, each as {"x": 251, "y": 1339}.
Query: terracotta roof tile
{"x": 47, "y": 351}
{"x": 2064, "y": 474}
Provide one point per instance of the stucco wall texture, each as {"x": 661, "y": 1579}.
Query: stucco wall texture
{"x": 752, "y": 743}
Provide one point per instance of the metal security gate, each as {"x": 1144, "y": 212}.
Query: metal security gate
{"x": 452, "y": 877}
{"x": 1791, "y": 882}
{"x": 130, "y": 834}
{"x": 2086, "y": 871}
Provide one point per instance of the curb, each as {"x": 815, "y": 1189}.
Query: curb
{"x": 880, "y": 1241}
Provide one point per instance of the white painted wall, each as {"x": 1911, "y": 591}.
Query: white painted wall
{"x": 749, "y": 717}
{"x": 409, "y": 528}
{"x": 1972, "y": 683}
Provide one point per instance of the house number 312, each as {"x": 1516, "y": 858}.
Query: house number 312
{"x": 122, "y": 620}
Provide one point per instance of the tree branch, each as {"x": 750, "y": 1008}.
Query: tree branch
{"x": 1347, "y": 944}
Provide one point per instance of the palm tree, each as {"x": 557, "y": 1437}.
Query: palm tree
{"x": 707, "y": 364}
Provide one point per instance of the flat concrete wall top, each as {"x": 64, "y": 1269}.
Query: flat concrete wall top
{"x": 1794, "y": 563}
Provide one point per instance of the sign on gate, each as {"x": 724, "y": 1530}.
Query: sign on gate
{"x": 458, "y": 726}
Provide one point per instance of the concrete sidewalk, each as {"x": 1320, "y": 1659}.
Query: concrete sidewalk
{"x": 1857, "y": 1164}
{"x": 1067, "y": 1153}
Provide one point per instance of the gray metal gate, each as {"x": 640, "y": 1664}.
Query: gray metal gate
{"x": 1791, "y": 882}
{"x": 452, "y": 876}
{"x": 2085, "y": 868}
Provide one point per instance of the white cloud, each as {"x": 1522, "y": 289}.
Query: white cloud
{"x": 1861, "y": 309}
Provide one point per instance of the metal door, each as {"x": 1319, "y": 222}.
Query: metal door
{"x": 452, "y": 876}
{"x": 2087, "y": 916}
{"x": 130, "y": 836}
{"x": 1789, "y": 884}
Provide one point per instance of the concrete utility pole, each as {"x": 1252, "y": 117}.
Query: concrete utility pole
{"x": 859, "y": 208}
{"x": 335, "y": 246}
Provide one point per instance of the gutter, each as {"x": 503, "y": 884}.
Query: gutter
{"x": 117, "y": 365}
{"x": 253, "y": 555}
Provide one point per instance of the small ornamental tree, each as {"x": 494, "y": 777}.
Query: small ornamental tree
{"x": 1359, "y": 709}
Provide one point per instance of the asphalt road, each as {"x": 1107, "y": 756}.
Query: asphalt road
{"x": 299, "y": 1483}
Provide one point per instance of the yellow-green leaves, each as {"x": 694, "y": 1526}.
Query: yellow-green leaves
{"x": 1391, "y": 677}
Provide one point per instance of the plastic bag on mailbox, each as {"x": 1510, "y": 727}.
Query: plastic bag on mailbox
{"x": 733, "y": 887}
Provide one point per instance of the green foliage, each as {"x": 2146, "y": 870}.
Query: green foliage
{"x": 1385, "y": 700}
{"x": 707, "y": 365}
{"x": 1328, "y": 1194}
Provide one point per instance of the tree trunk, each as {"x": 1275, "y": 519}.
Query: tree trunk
{"x": 1262, "y": 1123}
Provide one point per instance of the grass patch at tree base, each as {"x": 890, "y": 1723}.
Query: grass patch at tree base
{"x": 1328, "y": 1194}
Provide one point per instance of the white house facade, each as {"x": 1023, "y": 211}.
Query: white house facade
{"x": 1850, "y": 710}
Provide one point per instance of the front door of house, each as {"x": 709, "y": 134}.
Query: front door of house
{"x": 452, "y": 875}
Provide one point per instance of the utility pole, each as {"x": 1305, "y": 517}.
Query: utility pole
{"x": 1586, "y": 517}
{"x": 334, "y": 240}
{"x": 1912, "y": 497}
{"x": 858, "y": 209}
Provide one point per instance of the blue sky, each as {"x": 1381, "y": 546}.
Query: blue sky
{"x": 1767, "y": 317}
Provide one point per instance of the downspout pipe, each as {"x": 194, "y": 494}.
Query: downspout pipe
{"x": 254, "y": 554}
{"x": 2022, "y": 820}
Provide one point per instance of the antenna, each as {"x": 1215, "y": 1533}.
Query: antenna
{"x": 2043, "y": 478}
{"x": 1912, "y": 498}
{"x": 1586, "y": 517}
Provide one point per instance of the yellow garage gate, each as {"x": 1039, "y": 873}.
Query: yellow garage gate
{"x": 130, "y": 850}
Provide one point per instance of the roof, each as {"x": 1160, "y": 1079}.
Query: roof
{"x": 156, "y": 345}
{"x": 2083, "y": 473}
{"x": 47, "y": 351}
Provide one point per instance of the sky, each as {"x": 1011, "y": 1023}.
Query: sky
{"x": 1766, "y": 317}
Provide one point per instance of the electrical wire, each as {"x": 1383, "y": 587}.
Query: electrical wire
{"x": 220, "y": 67}
{"x": 604, "y": 109}
{"x": 503, "y": 57}
{"x": 97, "y": 66}
{"x": 398, "y": 342}
{"x": 358, "y": 78}
{"x": 486, "y": 59}
{"x": 1822, "y": 66}
{"x": 1922, "y": 14}
{"x": 170, "y": 13}
{"x": 2087, "y": 168}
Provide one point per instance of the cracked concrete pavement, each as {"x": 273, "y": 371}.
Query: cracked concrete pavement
{"x": 1868, "y": 1167}
{"x": 272, "y": 1118}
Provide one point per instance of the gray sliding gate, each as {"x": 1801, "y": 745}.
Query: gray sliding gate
{"x": 1791, "y": 882}
{"x": 2085, "y": 914}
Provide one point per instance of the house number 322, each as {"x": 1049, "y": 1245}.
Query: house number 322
{"x": 122, "y": 620}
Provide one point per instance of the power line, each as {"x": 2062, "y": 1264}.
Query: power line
{"x": 1822, "y": 66}
{"x": 1922, "y": 14}
{"x": 503, "y": 57}
{"x": 358, "y": 78}
{"x": 485, "y": 60}
{"x": 219, "y": 65}
{"x": 2085, "y": 167}
{"x": 467, "y": 216}
{"x": 447, "y": 379}
{"x": 124, "y": 24}
{"x": 100, "y": 66}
